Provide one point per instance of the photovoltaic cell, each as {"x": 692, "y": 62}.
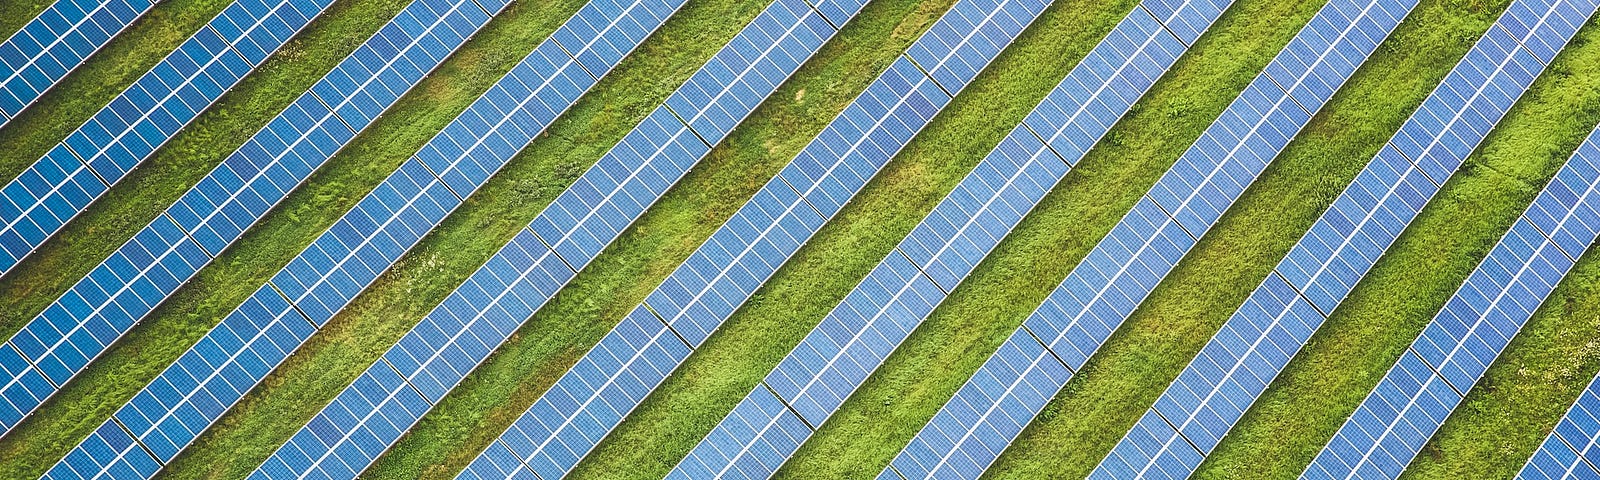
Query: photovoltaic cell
{"x": 133, "y": 125}
{"x": 1235, "y": 367}
{"x": 281, "y": 315}
{"x": 54, "y": 43}
{"x": 78, "y": 326}
{"x": 991, "y": 409}
{"x": 1419, "y": 392}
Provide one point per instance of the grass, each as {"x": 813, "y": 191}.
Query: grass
{"x": 197, "y": 306}
{"x": 897, "y": 400}
{"x": 356, "y": 337}
{"x": 17, "y": 13}
{"x": 96, "y": 81}
{"x": 691, "y": 401}
{"x": 1308, "y": 402}
{"x": 146, "y": 191}
{"x": 1086, "y": 419}
{"x": 498, "y": 391}
{"x": 1525, "y": 392}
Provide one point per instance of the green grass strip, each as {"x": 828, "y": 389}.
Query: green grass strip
{"x": 1363, "y": 337}
{"x": 146, "y": 191}
{"x": 1526, "y": 391}
{"x": 982, "y": 312}
{"x": 1086, "y": 419}
{"x": 357, "y": 336}
{"x": 691, "y": 401}
{"x": 196, "y": 307}
{"x": 99, "y": 79}
{"x": 491, "y": 397}
{"x": 14, "y": 14}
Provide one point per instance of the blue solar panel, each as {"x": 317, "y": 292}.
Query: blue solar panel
{"x": 488, "y": 308}
{"x": 262, "y": 332}
{"x": 1072, "y": 117}
{"x": 1016, "y": 382}
{"x": 814, "y": 380}
{"x": 594, "y": 396}
{"x": 1570, "y": 450}
{"x": 1234, "y": 368}
{"x": 54, "y": 43}
{"x": 78, "y": 326}
{"x": 1455, "y": 349}
{"x": 126, "y": 131}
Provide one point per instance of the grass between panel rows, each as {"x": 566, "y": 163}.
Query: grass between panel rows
{"x": 713, "y": 379}
{"x": 925, "y": 371}
{"x": 146, "y": 191}
{"x": 620, "y": 277}
{"x": 881, "y": 417}
{"x": 1086, "y": 419}
{"x": 14, "y": 14}
{"x": 357, "y": 336}
{"x": 197, "y": 306}
{"x": 1549, "y": 363}
{"x": 99, "y": 79}
{"x": 1344, "y": 360}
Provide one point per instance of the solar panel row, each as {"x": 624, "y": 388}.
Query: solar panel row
{"x": 1017, "y": 381}
{"x": 1570, "y": 450}
{"x": 77, "y": 327}
{"x": 54, "y": 43}
{"x": 251, "y": 341}
{"x": 146, "y": 114}
{"x": 1073, "y": 117}
{"x": 369, "y": 240}
{"x": 1424, "y": 386}
{"x": 953, "y": 51}
{"x": 373, "y": 413}
{"x": 134, "y": 124}
{"x": 608, "y": 382}
{"x": 1231, "y": 371}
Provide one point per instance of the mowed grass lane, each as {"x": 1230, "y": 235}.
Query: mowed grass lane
{"x": 1098, "y": 406}
{"x": 326, "y": 195}
{"x": 123, "y": 59}
{"x": 1528, "y": 389}
{"x": 475, "y": 413}
{"x": 898, "y": 399}
{"x": 1363, "y": 337}
{"x": 290, "y": 396}
{"x": 756, "y": 337}
{"x": 146, "y": 191}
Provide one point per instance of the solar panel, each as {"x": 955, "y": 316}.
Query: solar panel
{"x": 137, "y": 122}
{"x": 1570, "y": 450}
{"x": 636, "y": 355}
{"x": 1424, "y": 386}
{"x": 1011, "y": 387}
{"x": 365, "y": 241}
{"x": 77, "y": 327}
{"x": 1000, "y": 191}
{"x": 1235, "y": 367}
{"x": 54, "y": 43}
{"x": 1071, "y": 119}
